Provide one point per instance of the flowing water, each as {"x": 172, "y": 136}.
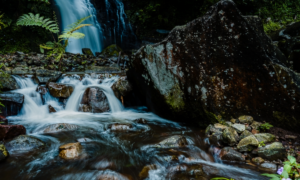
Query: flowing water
{"x": 121, "y": 155}
{"x": 73, "y": 10}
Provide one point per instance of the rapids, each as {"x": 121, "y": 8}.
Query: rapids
{"x": 114, "y": 154}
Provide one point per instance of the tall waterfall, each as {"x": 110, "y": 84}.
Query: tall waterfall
{"x": 73, "y": 10}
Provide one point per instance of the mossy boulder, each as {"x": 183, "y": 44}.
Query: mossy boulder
{"x": 245, "y": 119}
{"x": 9, "y": 83}
{"x": 247, "y": 144}
{"x": 230, "y": 136}
{"x": 246, "y": 133}
{"x": 24, "y": 143}
{"x": 122, "y": 88}
{"x": 112, "y": 50}
{"x": 265, "y": 137}
{"x": 272, "y": 151}
{"x": 255, "y": 125}
{"x": 87, "y": 51}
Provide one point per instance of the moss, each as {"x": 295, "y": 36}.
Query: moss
{"x": 283, "y": 118}
{"x": 3, "y": 150}
{"x": 212, "y": 118}
{"x": 175, "y": 98}
{"x": 112, "y": 50}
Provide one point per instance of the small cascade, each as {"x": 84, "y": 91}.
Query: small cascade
{"x": 71, "y": 11}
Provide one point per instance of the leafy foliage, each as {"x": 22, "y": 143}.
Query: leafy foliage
{"x": 2, "y": 24}
{"x": 261, "y": 144}
{"x": 2, "y": 75}
{"x": 264, "y": 127}
{"x": 290, "y": 170}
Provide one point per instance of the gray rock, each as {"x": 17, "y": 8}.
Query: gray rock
{"x": 60, "y": 90}
{"x": 216, "y": 138}
{"x": 255, "y": 125}
{"x": 245, "y": 119}
{"x": 245, "y": 134}
{"x": 24, "y": 143}
{"x": 9, "y": 83}
{"x": 230, "y": 154}
{"x": 54, "y": 128}
{"x": 95, "y": 101}
{"x": 272, "y": 151}
{"x": 122, "y": 88}
{"x": 265, "y": 137}
{"x": 173, "y": 141}
{"x": 228, "y": 123}
{"x": 102, "y": 69}
{"x": 43, "y": 76}
{"x": 267, "y": 166}
{"x": 239, "y": 127}
{"x": 220, "y": 126}
{"x": 12, "y": 97}
{"x": 247, "y": 144}
{"x": 230, "y": 136}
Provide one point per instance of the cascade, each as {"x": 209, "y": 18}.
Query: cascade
{"x": 73, "y": 10}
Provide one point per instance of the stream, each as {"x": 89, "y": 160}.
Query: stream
{"x": 118, "y": 155}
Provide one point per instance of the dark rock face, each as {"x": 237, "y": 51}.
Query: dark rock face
{"x": 109, "y": 15}
{"x": 122, "y": 89}
{"x": 60, "y": 90}
{"x": 219, "y": 64}
{"x": 51, "y": 109}
{"x": 229, "y": 154}
{"x": 9, "y": 83}
{"x": 11, "y": 131}
{"x": 3, "y": 120}
{"x": 44, "y": 76}
{"x": 24, "y": 143}
{"x": 94, "y": 100}
{"x": 12, "y": 102}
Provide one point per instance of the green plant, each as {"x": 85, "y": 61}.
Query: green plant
{"x": 2, "y": 24}
{"x": 221, "y": 178}
{"x": 3, "y": 74}
{"x": 264, "y": 127}
{"x": 58, "y": 46}
{"x": 261, "y": 144}
{"x": 290, "y": 170}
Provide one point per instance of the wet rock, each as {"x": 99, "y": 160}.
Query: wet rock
{"x": 258, "y": 160}
{"x": 54, "y": 128}
{"x": 265, "y": 137}
{"x": 51, "y": 109}
{"x": 121, "y": 88}
{"x": 230, "y": 136}
{"x": 70, "y": 151}
{"x": 220, "y": 126}
{"x": 3, "y": 120}
{"x": 267, "y": 166}
{"x": 272, "y": 151}
{"x": 9, "y": 83}
{"x": 112, "y": 50}
{"x": 24, "y": 143}
{"x": 145, "y": 171}
{"x": 87, "y": 51}
{"x": 82, "y": 140}
{"x": 245, "y": 134}
{"x": 211, "y": 129}
{"x": 12, "y": 97}
{"x": 60, "y": 90}
{"x": 120, "y": 127}
{"x": 239, "y": 127}
{"x": 216, "y": 138}
{"x": 228, "y": 123}
{"x": 3, "y": 152}
{"x": 102, "y": 69}
{"x": 11, "y": 131}
{"x": 44, "y": 76}
{"x": 95, "y": 99}
{"x": 239, "y": 82}
{"x": 255, "y": 125}
{"x": 229, "y": 154}
{"x": 245, "y": 119}
{"x": 247, "y": 144}
{"x": 105, "y": 164}
{"x": 174, "y": 141}
{"x": 42, "y": 90}
{"x": 140, "y": 121}
{"x": 286, "y": 136}
{"x": 111, "y": 175}
{"x": 84, "y": 108}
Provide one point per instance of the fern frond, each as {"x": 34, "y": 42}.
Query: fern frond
{"x": 77, "y": 25}
{"x": 37, "y": 20}
{"x": 75, "y": 35}
{"x": 46, "y": 47}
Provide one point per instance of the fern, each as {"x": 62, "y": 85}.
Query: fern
{"x": 1, "y": 22}
{"x": 35, "y": 20}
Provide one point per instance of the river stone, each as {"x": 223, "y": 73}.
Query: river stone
{"x": 265, "y": 137}
{"x": 44, "y": 76}
{"x": 95, "y": 99}
{"x": 54, "y": 128}
{"x": 121, "y": 88}
{"x": 247, "y": 144}
{"x": 13, "y": 103}
{"x": 145, "y": 171}
{"x": 245, "y": 134}
{"x": 216, "y": 138}
{"x": 272, "y": 151}
{"x": 12, "y": 97}
{"x": 42, "y": 90}
{"x": 220, "y": 126}
{"x": 112, "y": 50}
{"x": 120, "y": 127}
{"x": 230, "y": 136}
{"x": 258, "y": 160}
{"x": 102, "y": 69}
{"x": 3, "y": 152}
{"x": 228, "y": 123}
{"x": 70, "y": 151}
{"x": 9, "y": 83}
{"x": 24, "y": 143}
{"x": 11, "y": 131}
{"x": 60, "y": 90}
{"x": 239, "y": 127}
{"x": 173, "y": 141}
{"x": 211, "y": 129}
{"x": 255, "y": 125}
{"x": 267, "y": 166}
{"x": 51, "y": 109}
{"x": 140, "y": 121}
{"x": 174, "y": 86}
{"x": 245, "y": 119}
{"x": 227, "y": 153}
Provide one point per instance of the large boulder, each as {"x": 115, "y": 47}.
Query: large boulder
{"x": 12, "y": 102}
{"x": 265, "y": 137}
{"x": 9, "y": 83}
{"x": 24, "y": 143}
{"x": 60, "y": 90}
{"x": 43, "y": 76}
{"x": 219, "y": 64}
{"x": 248, "y": 143}
{"x": 230, "y": 136}
{"x": 55, "y": 128}
{"x": 11, "y": 131}
{"x": 272, "y": 151}
{"x": 94, "y": 100}
{"x": 122, "y": 89}
{"x": 229, "y": 154}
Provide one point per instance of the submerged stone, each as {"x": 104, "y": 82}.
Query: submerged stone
{"x": 24, "y": 143}
{"x": 54, "y": 128}
{"x": 230, "y": 154}
{"x": 174, "y": 141}
{"x": 70, "y": 151}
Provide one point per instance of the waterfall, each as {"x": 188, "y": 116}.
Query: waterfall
{"x": 73, "y": 10}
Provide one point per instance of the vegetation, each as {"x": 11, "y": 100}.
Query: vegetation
{"x": 261, "y": 144}
{"x": 264, "y": 127}
{"x": 2, "y": 75}
{"x": 290, "y": 170}
{"x": 57, "y": 46}
{"x": 221, "y": 178}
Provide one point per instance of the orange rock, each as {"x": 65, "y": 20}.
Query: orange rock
{"x": 70, "y": 151}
